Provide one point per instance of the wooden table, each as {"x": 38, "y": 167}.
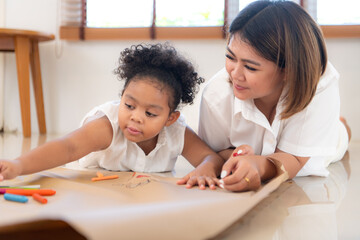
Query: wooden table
{"x": 25, "y": 45}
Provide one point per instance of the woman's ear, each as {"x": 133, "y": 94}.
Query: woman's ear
{"x": 172, "y": 118}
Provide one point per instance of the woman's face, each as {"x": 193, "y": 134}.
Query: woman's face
{"x": 252, "y": 76}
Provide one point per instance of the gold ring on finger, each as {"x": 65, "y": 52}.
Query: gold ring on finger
{"x": 247, "y": 180}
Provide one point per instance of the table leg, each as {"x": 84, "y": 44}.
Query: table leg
{"x": 22, "y": 53}
{"x": 37, "y": 84}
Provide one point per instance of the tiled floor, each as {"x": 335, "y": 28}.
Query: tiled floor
{"x": 305, "y": 208}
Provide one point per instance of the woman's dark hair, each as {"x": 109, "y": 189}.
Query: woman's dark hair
{"x": 284, "y": 33}
{"x": 160, "y": 62}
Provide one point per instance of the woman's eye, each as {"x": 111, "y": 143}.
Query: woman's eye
{"x": 129, "y": 106}
{"x": 229, "y": 57}
{"x": 149, "y": 114}
{"x": 250, "y": 68}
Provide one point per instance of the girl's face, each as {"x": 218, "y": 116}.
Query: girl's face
{"x": 252, "y": 76}
{"x": 144, "y": 110}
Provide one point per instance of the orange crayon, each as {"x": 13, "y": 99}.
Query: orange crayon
{"x": 30, "y": 192}
{"x": 104, "y": 178}
{"x": 39, "y": 198}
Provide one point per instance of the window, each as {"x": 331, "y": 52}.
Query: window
{"x": 124, "y": 13}
{"x": 122, "y": 19}
{"x": 333, "y": 12}
{"x": 185, "y": 19}
{"x": 119, "y": 13}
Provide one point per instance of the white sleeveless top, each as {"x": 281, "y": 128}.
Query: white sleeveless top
{"x": 124, "y": 155}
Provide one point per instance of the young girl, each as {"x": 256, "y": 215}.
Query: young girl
{"x": 142, "y": 132}
{"x": 277, "y": 94}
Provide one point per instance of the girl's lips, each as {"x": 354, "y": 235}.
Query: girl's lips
{"x": 133, "y": 131}
{"x": 238, "y": 87}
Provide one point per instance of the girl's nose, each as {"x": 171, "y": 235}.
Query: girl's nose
{"x": 136, "y": 117}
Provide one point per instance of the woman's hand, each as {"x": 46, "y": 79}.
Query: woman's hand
{"x": 243, "y": 150}
{"x": 204, "y": 175}
{"x": 9, "y": 169}
{"x": 240, "y": 172}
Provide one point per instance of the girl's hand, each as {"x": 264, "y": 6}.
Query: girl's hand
{"x": 9, "y": 169}
{"x": 204, "y": 175}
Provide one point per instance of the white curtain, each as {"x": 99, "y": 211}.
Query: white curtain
{"x": 70, "y": 13}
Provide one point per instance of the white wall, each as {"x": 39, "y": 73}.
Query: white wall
{"x": 82, "y": 77}
{"x": 2, "y": 66}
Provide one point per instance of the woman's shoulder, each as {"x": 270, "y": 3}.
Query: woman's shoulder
{"x": 218, "y": 87}
{"x": 330, "y": 76}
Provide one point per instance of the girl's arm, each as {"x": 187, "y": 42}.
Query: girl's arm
{"x": 247, "y": 172}
{"x": 93, "y": 136}
{"x": 206, "y": 162}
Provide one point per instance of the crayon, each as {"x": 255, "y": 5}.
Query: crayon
{"x": 30, "y": 192}
{"x": 15, "y": 198}
{"x": 104, "y": 178}
{"x": 23, "y": 187}
{"x": 140, "y": 176}
{"x": 2, "y": 191}
{"x": 39, "y": 198}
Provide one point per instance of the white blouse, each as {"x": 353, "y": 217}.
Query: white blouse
{"x": 315, "y": 132}
{"x": 124, "y": 155}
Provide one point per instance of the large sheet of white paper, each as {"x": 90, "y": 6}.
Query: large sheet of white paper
{"x": 135, "y": 205}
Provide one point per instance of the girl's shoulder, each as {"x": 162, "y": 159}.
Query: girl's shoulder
{"x": 108, "y": 109}
{"x": 176, "y": 130}
{"x": 180, "y": 124}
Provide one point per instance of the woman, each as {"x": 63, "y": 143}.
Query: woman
{"x": 277, "y": 94}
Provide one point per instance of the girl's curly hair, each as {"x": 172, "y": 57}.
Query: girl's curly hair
{"x": 163, "y": 63}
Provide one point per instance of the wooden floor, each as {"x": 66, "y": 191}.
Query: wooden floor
{"x": 304, "y": 208}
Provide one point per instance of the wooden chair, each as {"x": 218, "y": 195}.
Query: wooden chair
{"x": 25, "y": 45}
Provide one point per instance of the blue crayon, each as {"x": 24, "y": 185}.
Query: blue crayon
{"x": 15, "y": 198}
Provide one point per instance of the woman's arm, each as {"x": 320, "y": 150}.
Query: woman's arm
{"x": 93, "y": 136}
{"x": 247, "y": 172}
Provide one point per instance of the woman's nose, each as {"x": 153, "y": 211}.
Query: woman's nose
{"x": 237, "y": 73}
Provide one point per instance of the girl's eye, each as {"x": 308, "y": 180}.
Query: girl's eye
{"x": 129, "y": 106}
{"x": 149, "y": 114}
{"x": 250, "y": 68}
{"x": 229, "y": 57}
